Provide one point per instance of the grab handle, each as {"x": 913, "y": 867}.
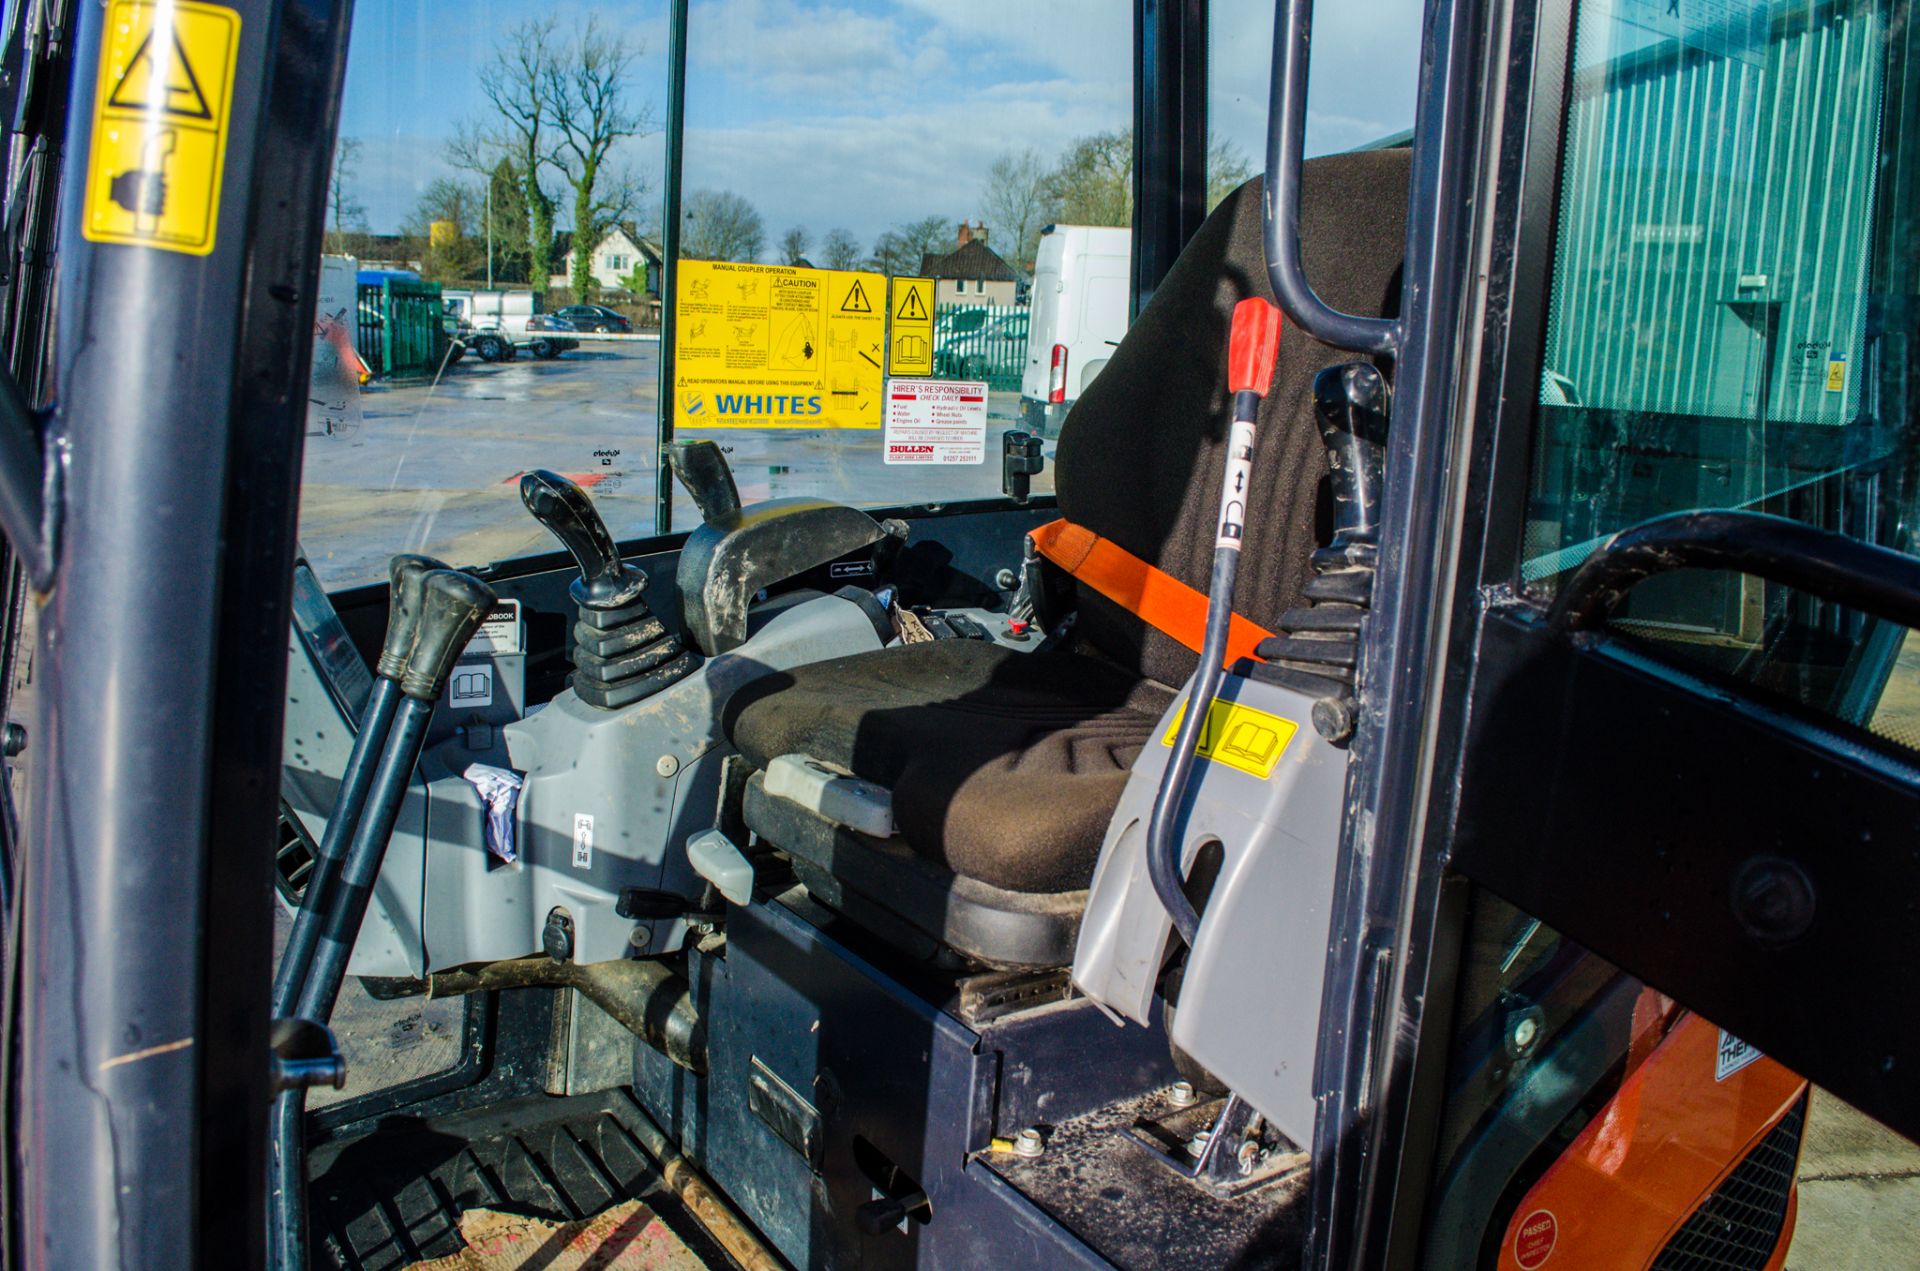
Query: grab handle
{"x": 1286, "y": 140}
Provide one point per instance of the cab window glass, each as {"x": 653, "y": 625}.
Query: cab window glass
{"x": 905, "y": 232}
{"x": 1731, "y": 318}
{"x": 448, "y": 356}
{"x": 470, "y": 329}
{"x": 1360, "y": 85}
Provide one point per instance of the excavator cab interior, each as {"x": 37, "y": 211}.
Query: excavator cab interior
{"x": 1316, "y": 689}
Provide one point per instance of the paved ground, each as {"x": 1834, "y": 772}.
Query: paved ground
{"x": 1859, "y": 1194}
{"x": 432, "y": 467}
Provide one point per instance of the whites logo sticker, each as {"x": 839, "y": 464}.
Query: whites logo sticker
{"x": 583, "y": 840}
{"x": 1732, "y": 1056}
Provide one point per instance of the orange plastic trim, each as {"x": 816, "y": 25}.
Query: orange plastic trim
{"x": 1640, "y": 1168}
{"x": 1151, "y": 594}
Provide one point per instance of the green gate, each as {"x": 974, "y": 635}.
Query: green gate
{"x": 981, "y": 342}
{"x": 400, "y": 330}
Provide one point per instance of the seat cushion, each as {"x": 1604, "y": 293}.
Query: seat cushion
{"x": 1005, "y": 767}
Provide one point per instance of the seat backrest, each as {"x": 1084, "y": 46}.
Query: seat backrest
{"x": 1140, "y": 455}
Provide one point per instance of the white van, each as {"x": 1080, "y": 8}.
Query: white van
{"x": 1082, "y": 289}
{"x": 503, "y": 322}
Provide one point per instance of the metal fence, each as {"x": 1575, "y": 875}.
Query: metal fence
{"x": 1716, "y": 219}
{"x": 981, "y": 342}
{"x": 400, "y": 331}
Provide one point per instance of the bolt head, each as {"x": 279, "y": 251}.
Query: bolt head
{"x": 1183, "y": 1095}
{"x": 1197, "y": 1145}
{"x": 1248, "y": 1158}
{"x": 1525, "y": 1031}
{"x": 666, "y": 765}
{"x": 1029, "y": 1143}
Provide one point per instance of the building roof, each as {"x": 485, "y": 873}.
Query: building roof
{"x": 563, "y": 242}
{"x": 974, "y": 260}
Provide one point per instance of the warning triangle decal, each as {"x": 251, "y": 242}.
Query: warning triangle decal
{"x": 856, "y": 301}
{"x": 911, "y": 309}
{"x": 175, "y": 92}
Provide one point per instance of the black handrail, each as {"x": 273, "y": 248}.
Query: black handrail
{"x": 1286, "y": 140}
{"x": 1862, "y": 576}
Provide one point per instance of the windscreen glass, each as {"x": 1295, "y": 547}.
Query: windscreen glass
{"x": 1361, "y": 82}
{"x": 903, "y": 232}
{"x": 1731, "y": 325}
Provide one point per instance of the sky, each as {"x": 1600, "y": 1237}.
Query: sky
{"x": 860, "y": 114}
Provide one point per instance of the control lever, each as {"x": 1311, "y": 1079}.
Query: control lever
{"x": 563, "y": 507}
{"x": 701, "y": 467}
{"x": 1252, "y": 350}
{"x": 407, "y": 576}
{"x": 451, "y": 607}
{"x": 622, "y": 653}
{"x": 1020, "y": 462}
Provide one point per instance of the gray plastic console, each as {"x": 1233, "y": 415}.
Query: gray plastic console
{"x": 1249, "y": 1007}
{"x": 609, "y": 801}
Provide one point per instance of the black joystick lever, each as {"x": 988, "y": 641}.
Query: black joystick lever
{"x": 702, "y": 468}
{"x": 622, "y": 653}
{"x": 563, "y": 507}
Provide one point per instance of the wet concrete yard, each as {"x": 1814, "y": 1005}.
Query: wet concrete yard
{"x": 434, "y": 467}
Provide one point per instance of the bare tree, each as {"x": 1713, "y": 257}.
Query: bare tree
{"x": 839, "y": 249}
{"x": 458, "y": 208}
{"x": 1093, "y": 182}
{"x": 516, "y": 86}
{"x": 721, "y": 225}
{"x": 1017, "y": 204}
{"x": 1227, "y": 170}
{"x": 898, "y": 251}
{"x": 584, "y": 90}
{"x": 794, "y": 245}
{"x": 347, "y": 213}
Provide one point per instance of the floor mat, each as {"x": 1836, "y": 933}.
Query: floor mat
{"x": 628, "y": 1237}
{"x": 395, "y": 1196}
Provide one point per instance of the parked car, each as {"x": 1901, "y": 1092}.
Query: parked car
{"x": 992, "y": 351}
{"x": 543, "y": 338}
{"x": 596, "y": 318}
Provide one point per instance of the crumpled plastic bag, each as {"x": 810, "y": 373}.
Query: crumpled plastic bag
{"x": 500, "y": 790}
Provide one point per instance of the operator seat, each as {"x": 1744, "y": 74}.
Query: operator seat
{"x": 1005, "y": 767}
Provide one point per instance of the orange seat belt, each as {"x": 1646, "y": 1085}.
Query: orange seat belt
{"x": 1150, "y": 594}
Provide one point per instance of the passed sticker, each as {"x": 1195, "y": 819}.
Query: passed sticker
{"x": 160, "y": 115}
{"x": 1239, "y": 737}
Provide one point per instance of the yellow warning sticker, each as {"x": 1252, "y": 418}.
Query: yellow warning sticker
{"x": 160, "y": 116}
{"x": 775, "y": 346}
{"x": 1239, "y": 737}
{"x": 1837, "y": 374}
{"x": 910, "y": 345}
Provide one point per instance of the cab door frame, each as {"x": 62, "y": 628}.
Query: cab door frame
{"x": 1502, "y": 745}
